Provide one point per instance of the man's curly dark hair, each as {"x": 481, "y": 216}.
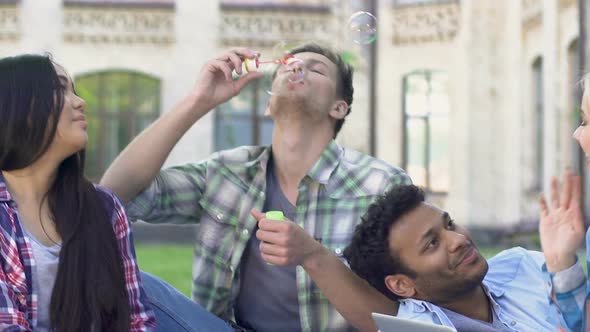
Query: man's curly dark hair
{"x": 368, "y": 253}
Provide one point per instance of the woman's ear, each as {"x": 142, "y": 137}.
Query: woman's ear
{"x": 401, "y": 285}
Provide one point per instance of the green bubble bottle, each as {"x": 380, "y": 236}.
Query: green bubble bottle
{"x": 276, "y": 216}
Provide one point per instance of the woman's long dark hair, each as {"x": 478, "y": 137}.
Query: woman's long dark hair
{"x": 89, "y": 292}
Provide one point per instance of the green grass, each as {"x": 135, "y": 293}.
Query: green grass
{"x": 172, "y": 263}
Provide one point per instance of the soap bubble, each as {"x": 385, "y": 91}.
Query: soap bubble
{"x": 292, "y": 71}
{"x": 363, "y": 28}
{"x": 296, "y": 69}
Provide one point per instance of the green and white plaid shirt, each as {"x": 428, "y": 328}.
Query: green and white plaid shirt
{"x": 219, "y": 193}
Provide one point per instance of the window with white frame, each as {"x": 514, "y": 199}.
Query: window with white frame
{"x": 426, "y": 129}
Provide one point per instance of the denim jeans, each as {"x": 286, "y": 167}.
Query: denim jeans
{"x": 176, "y": 312}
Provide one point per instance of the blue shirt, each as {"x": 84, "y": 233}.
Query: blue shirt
{"x": 519, "y": 288}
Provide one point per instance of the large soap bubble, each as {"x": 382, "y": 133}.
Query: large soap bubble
{"x": 362, "y": 27}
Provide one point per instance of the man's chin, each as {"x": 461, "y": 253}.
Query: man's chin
{"x": 479, "y": 273}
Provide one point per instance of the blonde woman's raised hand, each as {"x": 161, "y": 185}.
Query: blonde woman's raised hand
{"x": 561, "y": 227}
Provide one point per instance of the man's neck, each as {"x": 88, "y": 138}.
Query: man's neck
{"x": 295, "y": 150}
{"x": 475, "y": 305}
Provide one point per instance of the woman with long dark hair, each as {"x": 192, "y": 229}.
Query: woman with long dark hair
{"x": 67, "y": 261}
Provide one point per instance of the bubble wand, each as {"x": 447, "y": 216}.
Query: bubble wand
{"x": 294, "y": 66}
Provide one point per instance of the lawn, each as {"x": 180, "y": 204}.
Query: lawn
{"x": 173, "y": 263}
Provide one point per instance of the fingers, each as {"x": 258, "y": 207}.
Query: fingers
{"x": 275, "y": 260}
{"x": 278, "y": 232}
{"x": 271, "y": 237}
{"x": 257, "y": 214}
{"x": 566, "y": 190}
{"x": 241, "y": 52}
{"x": 236, "y": 61}
{"x": 544, "y": 208}
{"x": 218, "y": 65}
{"x": 554, "y": 194}
{"x": 576, "y": 199}
{"x": 236, "y": 56}
{"x": 274, "y": 226}
{"x": 273, "y": 249}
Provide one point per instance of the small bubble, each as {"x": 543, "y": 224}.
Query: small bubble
{"x": 296, "y": 69}
{"x": 363, "y": 28}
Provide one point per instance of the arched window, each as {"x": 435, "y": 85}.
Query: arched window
{"x": 241, "y": 121}
{"x": 426, "y": 129}
{"x": 119, "y": 105}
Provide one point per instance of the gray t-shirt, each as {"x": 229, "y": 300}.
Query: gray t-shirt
{"x": 466, "y": 324}
{"x": 268, "y": 294}
{"x": 43, "y": 274}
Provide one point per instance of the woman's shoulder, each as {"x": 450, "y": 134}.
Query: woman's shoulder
{"x": 113, "y": 205}
{"x": 7, "y": 223}
{"x": 107, "y": 194}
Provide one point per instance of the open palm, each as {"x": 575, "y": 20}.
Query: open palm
{"x": 561, "y": 227}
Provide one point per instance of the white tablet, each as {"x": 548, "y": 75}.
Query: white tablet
{"x": 388, "y": 323}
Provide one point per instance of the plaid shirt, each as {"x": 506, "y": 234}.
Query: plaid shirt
{"x": 18, "y": 297}
{"x": 220, "y": 192}
{"x": 573, "y": 304}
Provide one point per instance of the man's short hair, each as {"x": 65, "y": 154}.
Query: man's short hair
{"x": 344, "y": 88}
{"x": 368, "y": 253}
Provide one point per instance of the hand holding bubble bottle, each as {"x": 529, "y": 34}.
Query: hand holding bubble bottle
{"x": 276, "y": 216}
{"x": 295, "y": 67}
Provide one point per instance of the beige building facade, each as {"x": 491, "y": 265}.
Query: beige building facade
{"x": 475, "y": 98}
{"x": 512, "y": 72}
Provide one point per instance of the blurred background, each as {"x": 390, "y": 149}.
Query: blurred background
{"x": 476, "y": 99}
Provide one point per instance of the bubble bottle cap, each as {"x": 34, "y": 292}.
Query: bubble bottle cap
{"x": 275, "y": 215}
